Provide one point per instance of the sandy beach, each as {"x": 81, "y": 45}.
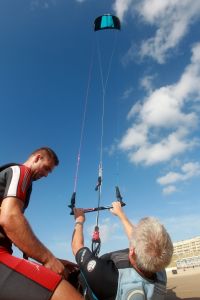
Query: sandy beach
{"x": 184, "y": 285}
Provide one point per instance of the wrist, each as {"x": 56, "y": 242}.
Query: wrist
{"x": 79, "y": 223}
{"x": 80, "y": 219}
{"x": 121, "y": 215}
{"x": 46, "y": 257}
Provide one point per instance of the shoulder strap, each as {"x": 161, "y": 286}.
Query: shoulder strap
{"x": 121, "y": 259}
{"x": 3, "y": 167}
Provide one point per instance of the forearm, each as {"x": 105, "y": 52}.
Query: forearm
{"x": 20, "y": 233}
{"x": 128, "y": 226}
{"x": 77, "y": 238}
{"x": 117, "y": 211}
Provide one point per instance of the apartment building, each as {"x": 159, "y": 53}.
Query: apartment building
{"x": 187, "y": 253}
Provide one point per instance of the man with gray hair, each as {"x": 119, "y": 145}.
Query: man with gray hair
{"x": 136, "y": 273}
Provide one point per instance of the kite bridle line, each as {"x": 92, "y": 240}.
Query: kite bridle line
{"x": 73, "y": 197}
{"x": 83, "y": 124}
{"x": 104, "y": 87}
{"x": 96, "y": 242}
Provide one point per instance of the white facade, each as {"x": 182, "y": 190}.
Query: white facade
{"x": 187, "y": 253}
{"x": 187, "y": 247}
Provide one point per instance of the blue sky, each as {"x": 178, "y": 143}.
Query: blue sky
{"x": 152, "y": 107}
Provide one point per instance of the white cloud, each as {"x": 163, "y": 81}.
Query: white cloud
{"x": 163, "y": 106}
{"x": 44, "y": 4}
{"x": 121, "y": 7}
{"x": 161, "y": 151}
{"x": 127, "y": 93}
{"x": 172, "y": 19}
{"x": 169, "y": 190}
{"x": 134, "y": 137}
{"x": 188, "y": 170}
{"x": 146, "y": 83}
{"x": 164, "y": 122}
{"x": 134, "y": 110}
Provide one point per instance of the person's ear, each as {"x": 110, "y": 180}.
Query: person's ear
{"x": 132, "y": 251}
{"x": 37, "y": 157}
{"x": 132, "y": 255}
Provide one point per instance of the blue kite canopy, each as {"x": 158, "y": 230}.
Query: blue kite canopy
{"x": 107, "y": 21}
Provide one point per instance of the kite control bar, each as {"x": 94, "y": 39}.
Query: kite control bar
{"x": 87, "y": 210}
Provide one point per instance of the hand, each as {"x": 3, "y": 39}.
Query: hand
{"x": 79, "y": 215}
{"x": 116, "y": 209}
{"x": 70, "y": 268}
{"x": 55, "y": 265}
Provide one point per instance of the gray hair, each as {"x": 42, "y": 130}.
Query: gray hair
{"x": 152, "y": 244}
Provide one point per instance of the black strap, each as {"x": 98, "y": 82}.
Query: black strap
{"x": 3, "y": 167}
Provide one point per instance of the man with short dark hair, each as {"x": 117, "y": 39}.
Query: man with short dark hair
{"x": 136, "y": 273}
{"x": 21, "y": 279}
